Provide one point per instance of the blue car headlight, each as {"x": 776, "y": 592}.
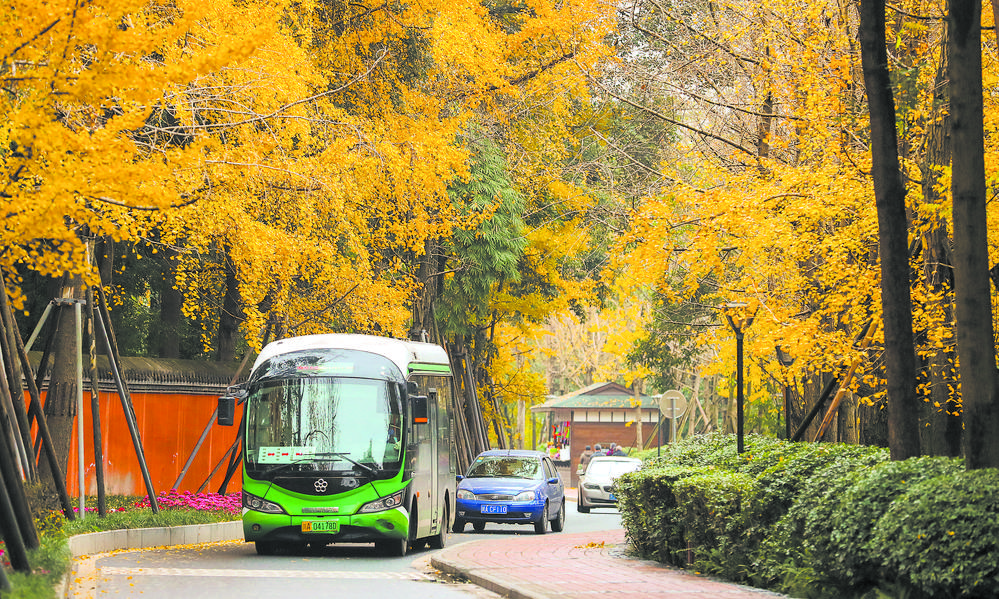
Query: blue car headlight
{"x": 465, "y": 494}
{"x": 526, "y": 496}
{"x": 259, "y": 504}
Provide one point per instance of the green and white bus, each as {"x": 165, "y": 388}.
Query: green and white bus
{"x": 347, "y": 439}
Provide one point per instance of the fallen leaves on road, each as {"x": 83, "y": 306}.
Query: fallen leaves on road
{"x": 591, "y": 545}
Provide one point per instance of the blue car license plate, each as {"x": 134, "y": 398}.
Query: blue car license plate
{"x": 494, "y": 509}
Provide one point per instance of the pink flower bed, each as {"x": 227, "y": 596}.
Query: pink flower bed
{"x": 197, "y": 501}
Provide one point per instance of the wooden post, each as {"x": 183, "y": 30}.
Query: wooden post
{"x": 845, "y": 384}
{"x": 107, "y": 335}
{"x": 95, "y": 408}
{"x": 35, "y": 412}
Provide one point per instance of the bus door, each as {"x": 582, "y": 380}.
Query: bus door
{"x": 435, "y": 501}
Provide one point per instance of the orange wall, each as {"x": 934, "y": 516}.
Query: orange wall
{"x": 169, "y": 425}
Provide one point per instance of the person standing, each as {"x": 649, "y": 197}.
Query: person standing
{"x": 584, "y": 458}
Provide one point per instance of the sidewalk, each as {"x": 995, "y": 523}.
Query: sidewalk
{"x": 566, "y": 566}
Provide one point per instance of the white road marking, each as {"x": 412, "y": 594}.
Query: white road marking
{"x": 226, "y": 573}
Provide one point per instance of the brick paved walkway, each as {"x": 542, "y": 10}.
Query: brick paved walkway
{"x": 568, "y": 566}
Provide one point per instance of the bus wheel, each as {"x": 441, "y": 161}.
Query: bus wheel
{"x": 459, "y": 524}
{"x": 395, "y": 548}
{"x": 439, "y": 540}
{"x": 265, "y": 547}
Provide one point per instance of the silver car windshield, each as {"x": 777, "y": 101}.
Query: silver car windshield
{"x": 611, "y": 468}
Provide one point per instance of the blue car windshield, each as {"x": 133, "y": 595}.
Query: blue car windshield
{"x": 506, "y": 467}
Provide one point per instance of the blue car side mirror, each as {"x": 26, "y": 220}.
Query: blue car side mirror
{"x": 552, "y": 481}
{"x": 458, "y": 478}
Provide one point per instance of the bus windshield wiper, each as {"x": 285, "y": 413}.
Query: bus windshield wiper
{"x": 275, "y": 469}
{"x": 347, "y": 457}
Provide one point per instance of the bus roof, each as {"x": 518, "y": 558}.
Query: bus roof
{"x": 407, "y": 355}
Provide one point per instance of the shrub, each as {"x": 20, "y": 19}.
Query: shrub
{"x": 846, "y": 553}
{"x": 789, "y": 542}
{"x": 718, "y": 509}
{"x": 942, "y": 536}
{"x": 762, "y": 454}
{"x": 782, "y": 483}
{"x": 649, "y": 512}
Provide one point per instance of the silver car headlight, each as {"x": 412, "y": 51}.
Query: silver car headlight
{"x": 465, "y": 494}
{"x": 259, "y": 504}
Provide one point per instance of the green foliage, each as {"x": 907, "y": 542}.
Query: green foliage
{"x": 719, "y": 508}
{"x": 818, "y": 520}
{"x": 782, "y": 483}
{"x": 942, "y": 535}
{"x": 48, "y": 565}
{"x": 809, "y": 516}
{"x": 667, "y": 346}
{"x": 487, "y": 256}
{"x": 650, "y": 513}
{"x": 847, "y": 553}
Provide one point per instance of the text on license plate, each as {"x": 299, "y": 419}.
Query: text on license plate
{"x": 494, "y": 509}
{"x": 321, "y": 526}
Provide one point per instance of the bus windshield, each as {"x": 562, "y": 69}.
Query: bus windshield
{"x": 325, "y": 425}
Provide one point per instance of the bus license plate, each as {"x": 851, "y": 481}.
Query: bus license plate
{"x": 321, "y": 526}
{"x": 494, "y": 509}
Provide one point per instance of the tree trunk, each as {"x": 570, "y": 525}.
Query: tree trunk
{"x": 231, "y": 315}
{"x": 171, "y": 312}
{"x": 973, "y": 308}
{"x": 939, "y": 420}
{"x": 637, "y": 386}
{"x": 846, "y": 423}
{"x": 60, "y": 397}
{"x": 893, "y": 249}
{"x": 521, "y": 424}
{"x": 765, "y": 126}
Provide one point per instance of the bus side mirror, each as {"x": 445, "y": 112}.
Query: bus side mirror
{"x": 227, "y": 410}
{"x": 419, "y": 403}
{"x": 227, "y": 404}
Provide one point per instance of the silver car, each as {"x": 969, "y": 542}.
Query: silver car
{"x": 596, "y": 485}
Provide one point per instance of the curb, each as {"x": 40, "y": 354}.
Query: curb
{"x": 142, "y": 538}
{"x": 482, "y": 579}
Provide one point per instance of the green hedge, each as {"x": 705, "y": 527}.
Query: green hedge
{"x": 655, "y": 528}
{"x": 847, "y": 552}
{"x": 817, "y": 520}
{"x": 941, "y": 536}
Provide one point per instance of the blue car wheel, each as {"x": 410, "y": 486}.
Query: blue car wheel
{"x": 541, "y": 526}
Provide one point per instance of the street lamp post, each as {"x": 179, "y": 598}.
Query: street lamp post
{"x": 786, "y": 361}
{"x": 735, "y": 314}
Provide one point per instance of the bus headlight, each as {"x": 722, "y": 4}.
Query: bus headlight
{"x": 385, "y": 503}
{"x": 258, "y": 504}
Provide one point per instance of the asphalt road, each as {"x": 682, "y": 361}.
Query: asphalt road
{"x": 234, "y": 569}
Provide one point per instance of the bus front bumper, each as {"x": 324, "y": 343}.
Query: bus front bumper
{"x": 360, "y": 528}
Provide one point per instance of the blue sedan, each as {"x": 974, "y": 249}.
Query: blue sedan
{"x": 510, "y": 486}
